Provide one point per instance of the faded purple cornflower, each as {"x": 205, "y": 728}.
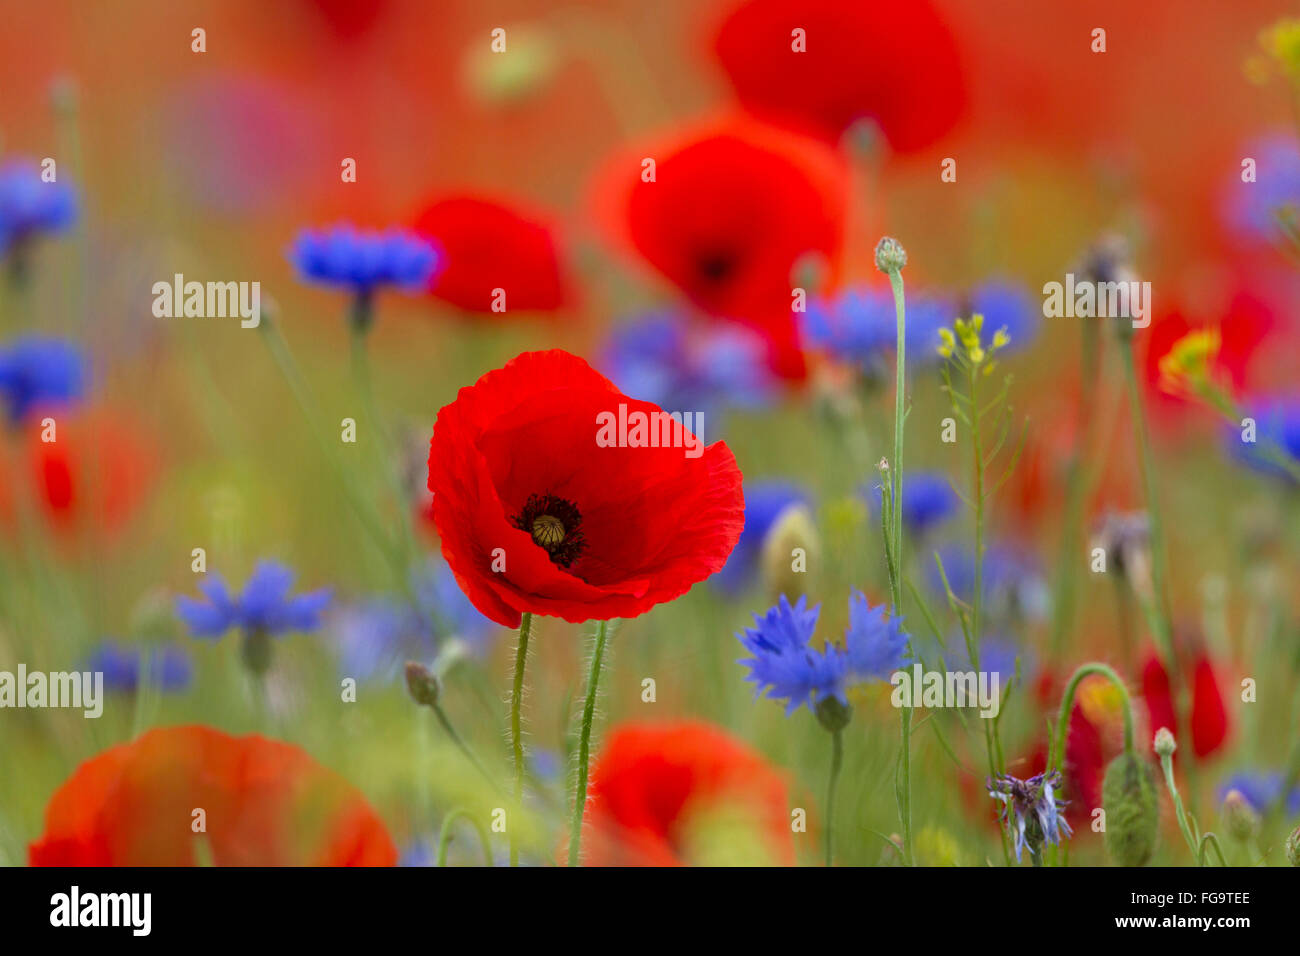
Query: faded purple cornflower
{"x": 1030, "y": 810}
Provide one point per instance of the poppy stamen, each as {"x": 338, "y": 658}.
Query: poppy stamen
{"x": 555, "y": 525}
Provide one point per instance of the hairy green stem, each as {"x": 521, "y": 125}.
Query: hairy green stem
{"x": 516, "y": 738}
{"x": 584, "y": 743}
{"x": 1056, "y": 753}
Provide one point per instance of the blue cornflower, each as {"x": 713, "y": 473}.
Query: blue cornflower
{"x": 376, "y": 636}
{"x": 859, "y": 326}
{"x": 1277, "y": 433}
{"x": 1030, "y": 810}
{"x": 1251, "y": 209}
{"x": 264, "y": 606}
{"x": 169, "y": 667}
{"x": 928, "y": 500}
{"x": 658, "y": 358}
{"x": 765, "y": 500}
{"x": 1263, "y": 791}
{"x": 29, "y": 205}
{"x": 785, "y": 667}
{"x": 37, "y": 371}
{"x": 362, "y": 261}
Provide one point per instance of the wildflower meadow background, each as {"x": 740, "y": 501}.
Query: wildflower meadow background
{"x": 334, "y": 335}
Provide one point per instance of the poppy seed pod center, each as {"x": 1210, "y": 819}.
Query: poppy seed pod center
{"x": 555, "y": 524}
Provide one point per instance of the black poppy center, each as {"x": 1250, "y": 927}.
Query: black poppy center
{"x": 555, "y": 525}
{"x": 716, "y": 266}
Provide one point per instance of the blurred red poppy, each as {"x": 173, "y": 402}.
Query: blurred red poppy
{"x": 262, "y": 803}
{"x": 657, "y": 791}
{"x": 1209, "y": 716}
{"x": 726, "y": 213}
{"x": 487, "y": 246}
{"x": 537, "y": 513}
{"x": 97, "y": 471}
{"x": 895, "y": 63}
{"x": 1243, "y": 326}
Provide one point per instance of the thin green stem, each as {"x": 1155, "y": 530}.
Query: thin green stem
{"x": 463, "y": 747}
{"x": 516, "y": 738}
{"x": 445, "y": 834}
{"x": 894, "y": 554}
{"x": 1167, "y": 765}
{"x": 1057, "y": 752}
{"x": 584, "y": 743}
{"x": 837, "y": 760}
{"x": 1210, "y": 840}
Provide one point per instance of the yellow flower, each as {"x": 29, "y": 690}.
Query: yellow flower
{"x": 1189, "y": 362}
{"x": 948, "y": 342}
{"x": 1281, "y": 44}
{"x": 1001, "y": 338}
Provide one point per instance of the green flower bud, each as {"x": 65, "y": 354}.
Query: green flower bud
{"x": 1128, "y": 795}
{"x": 1293, "y": 847}
{"x": 832, "y": 714}
{"x": 421, "y": 683}
{"x": 1164, "y": 744}
{"x": 790, "y": 553}
{"x": 1239, "y": 817}
{"x": 890, "y": 256}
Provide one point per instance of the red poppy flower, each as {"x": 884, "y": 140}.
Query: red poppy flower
{"x": 729, "y": 214}
{"x": 264, "y": 803}
{"x": 490, "y": 246}
{"x": 1244, "y": 325}
{"x": 541, "y": 509}
{"x": 896, "y": 63}
{"x": 657, "y": 791}
{"x": 97, "y": 470}
{"x": 1209, "y": 717}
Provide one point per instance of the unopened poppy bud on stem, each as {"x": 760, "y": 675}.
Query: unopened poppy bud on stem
{"x": 422, "y": 684}
{"x": 1132, "y": 813}
{"x": 890, "y": 256}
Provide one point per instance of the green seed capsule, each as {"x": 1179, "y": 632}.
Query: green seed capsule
{"x": 1128, "y": 795}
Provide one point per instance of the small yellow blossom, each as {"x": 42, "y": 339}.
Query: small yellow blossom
{"x": 1189, "y": 363}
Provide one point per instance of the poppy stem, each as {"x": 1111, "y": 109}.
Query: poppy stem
{"x": 584, "y": 742}
{"x": 516, "y": 696}
{"x": 837, "y": 760}
{"x": 444, "y": 835}
{"x": 1056, "y": 754}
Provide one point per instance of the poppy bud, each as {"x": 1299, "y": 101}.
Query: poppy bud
{"x": 421, "y": 683}
{"x": 1239, "y": 817}
{"x": 790, "y": 549}
{"x": 1128, "y": 795}
{"x": 1293, "y": 847}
